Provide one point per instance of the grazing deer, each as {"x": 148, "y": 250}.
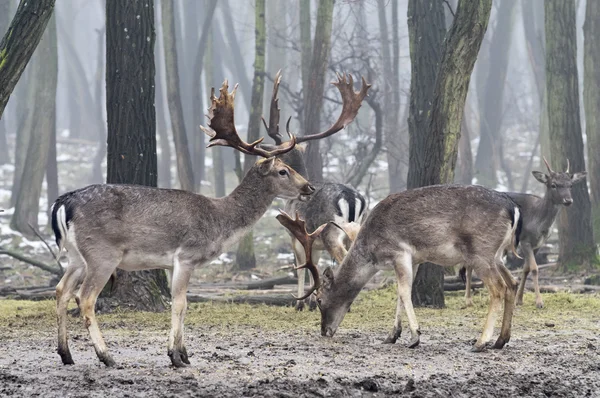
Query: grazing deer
{"x": 105, "y": 227}
{"x": 443, "y": 224}
{"x": 538, "y": 216}
{"x": 332, "y": 202}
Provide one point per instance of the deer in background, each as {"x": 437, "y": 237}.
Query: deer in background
{"x": 105, "y": 227}
{"x": 443, "y": 224}
{"x": 538, "y": 216}
{"x": 339, "y": 206}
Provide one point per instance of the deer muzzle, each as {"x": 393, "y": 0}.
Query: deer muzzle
{"x": 568, "y": 201}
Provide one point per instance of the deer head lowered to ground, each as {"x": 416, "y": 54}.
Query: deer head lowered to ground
{"x": 538, "y": 216}
{"x": 443, "y": 224}
{"x": 332, "y": 202}
{"x": 105, "y": 227}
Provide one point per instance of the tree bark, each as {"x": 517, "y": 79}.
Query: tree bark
{"x": 132, "y": 127}
{"x": 577, "y": 249}
{"x": 465, "y": 155}
{"x": 184, "y": 162}
{"x": 426, "y": 27}
{"x": 198, "y": 106}
{"x": 591, "y": 99}
{"x": 97, "y": 174}
{"x": 27, "y": 204}
{"x": 164, "y": 163}
{"x": 444, "y": 124}
{"x": 391, "y": 106}
{"x": 245, "y": 258}
{"x": 19, "y": 43}
{"x": 4, "y": 21}
{"x": 488, "y": 153}
{"x": 313, "y": 98}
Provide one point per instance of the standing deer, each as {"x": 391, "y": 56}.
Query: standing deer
{"x": 332, "y": 202}
{"x": 538, "y": 216}
{"x": 443, "y": 224}
{"x": 105, "y": 227}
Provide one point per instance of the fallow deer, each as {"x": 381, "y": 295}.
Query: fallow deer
{"x": 443, "y": 224}
{"x": 105, "y": 227}
{"x": 332, "y": 202}
{"x": 538, "y": 216}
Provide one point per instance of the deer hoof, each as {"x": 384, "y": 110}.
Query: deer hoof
{"x": 184, "y": 356}
{"x": 66, "y": 357}
{"x": 414, "y": 341}
{"x": 539, "y": 304}
{"x": 107, "y": 360}
{"x": 176, "y": 359}
{"x": 393, "y": 336}
{"x": 500, "y": 343}
{"x": 299, "y": 306}
{"x": 478, "y": 348}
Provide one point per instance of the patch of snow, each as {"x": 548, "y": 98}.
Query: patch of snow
{"x": 285, "y": 256}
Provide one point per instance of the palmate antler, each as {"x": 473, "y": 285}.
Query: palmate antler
{"x": 351, "y": 102}
{"x": 298, "y": 228}
{"x": 221, "y": 127}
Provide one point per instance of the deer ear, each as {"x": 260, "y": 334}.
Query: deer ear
{"x": 265, "y": 166}
{"x": 541, "y": 177}
{"x": 578, "y": 176}
{"x": 327, "y": 278}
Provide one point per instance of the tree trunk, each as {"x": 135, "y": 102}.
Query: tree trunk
{"x": 19, "y": 42}
{"x": 27, "y": 205}
{"x": 591, "y": 99}
{"x": 465, "y": 155}
{"x": 132, "y": 127}
{"x": 184, "y": 162}
{"x": 97, "y": 174}
{"x": 4, "y": 21}
{"x": 488, "y": 161}
{"x": 426, "y": 27}
{"x": 164, "y": 164}
{"x": 442, "y": 137}
{"x": 305, "y": 52}
{"x": 394, "y": 145}
{"x": 577, "y": 249}
{"x": 198, "y": 108}
{"x": 245, "y": 258}
{"x": 313, "y": 98}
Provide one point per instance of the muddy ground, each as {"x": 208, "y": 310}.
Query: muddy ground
{"x": 287, "y": 358}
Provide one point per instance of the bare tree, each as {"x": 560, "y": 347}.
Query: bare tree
{"x": 313, "y": 98}
{"x": 591, "y": 99}
{"x": 184, "y": 162}
{"x": 19, "y": 43}
{"x": 43, "y": 128}
{"x": 442, "y": 136}
{"x": 577, "y": 248}
{"x": 132, "y": 127}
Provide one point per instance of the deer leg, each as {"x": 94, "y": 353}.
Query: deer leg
{"x": 176, "y": 349}
{"x": 404, "y": 273}
{"x": 397, "y": 329}
{"x": 509, "y": 305}
{"x": 526, "y": 270}
{"x": 65, "y": 290}
{"x": 495, "y": 284}
{"x": 468, "y": 297}
{"x": 530, "y": 258}
{"x": 92, "y": 285}
{"x": 300, "y": 258}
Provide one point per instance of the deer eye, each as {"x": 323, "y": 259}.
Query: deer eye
{"x": 283, "y": 172}
{"x": 553, "y": 185}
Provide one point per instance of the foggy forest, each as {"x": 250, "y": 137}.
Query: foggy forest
{"x": 317, "y": 161}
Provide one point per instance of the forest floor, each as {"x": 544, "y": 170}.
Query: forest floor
{"x": 243, "y": 350}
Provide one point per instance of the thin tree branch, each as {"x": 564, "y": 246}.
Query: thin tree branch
{"x": 36, "y": 232}
{"x": 35, "y": 263}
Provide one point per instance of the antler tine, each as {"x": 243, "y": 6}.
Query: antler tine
{"x": 221, "y": 126}
{"x": 351, "y": 102}
{"x": 568, "y": 166}
{"x": 273, "y": 127}
{"x": 297, "y": 227}
{"x": 547, "y": 165}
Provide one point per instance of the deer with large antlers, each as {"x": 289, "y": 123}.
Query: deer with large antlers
{"x": 538, "y": 216}
{"x": 341, "y": 207}
{"x": 443, "y": 224}
{"x": 105, "y": 227}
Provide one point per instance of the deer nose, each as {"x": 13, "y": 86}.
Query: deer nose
{"x": 308, "y": 189}
{"x": 568, "y": 202}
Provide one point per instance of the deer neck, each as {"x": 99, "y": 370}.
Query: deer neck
{"x": 547, "y": 210}
{"x": 248, "y": 202}
{"x": 353, "y": 274}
